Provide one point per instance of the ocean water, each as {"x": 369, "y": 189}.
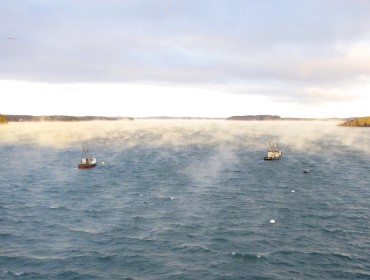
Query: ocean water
{"x": 184, "y": 200}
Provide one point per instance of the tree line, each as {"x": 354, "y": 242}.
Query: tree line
{"x": 361, "y": 122}
{"x": 3, "y": 119}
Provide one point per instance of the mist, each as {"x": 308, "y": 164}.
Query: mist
{"x": 187, "y": 165}
{"x": 220, "y": 134}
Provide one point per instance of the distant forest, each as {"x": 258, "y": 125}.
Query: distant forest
{"x": 358, "y": 122}
{"x": 275, "y": 118}
{"x": 29, "y": 118}
{"x": 3, "y": 119}
{"x": 254, "y": 118}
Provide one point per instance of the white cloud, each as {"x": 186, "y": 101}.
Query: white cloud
{"x": 288, "y": 52}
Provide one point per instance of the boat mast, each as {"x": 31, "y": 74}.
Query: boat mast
{"x": 84, "y": 151}
{"x": 274, "y": 146}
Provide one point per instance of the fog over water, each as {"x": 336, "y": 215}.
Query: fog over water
{"x": 184, "y": 199}
{"x": 177, "y": 133}
{"x": 220, "y": 143}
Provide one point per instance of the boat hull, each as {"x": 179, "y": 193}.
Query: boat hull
{"x": 271, "y": 158}
{"x": 86, "y": 166}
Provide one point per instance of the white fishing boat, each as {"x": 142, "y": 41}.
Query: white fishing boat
{"x": 87, "y": 161}
{"x": 273, "y": 153}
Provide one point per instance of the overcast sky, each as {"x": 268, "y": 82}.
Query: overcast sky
{"x": 205, "y": 58}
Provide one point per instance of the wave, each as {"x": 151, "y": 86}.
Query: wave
{"x": 320, "y": 257}
{"x": 71, "y": 274}
{"x": 248, "y": 256}
{"x": 188, "y": 248}
{"x": 24, "y": 275}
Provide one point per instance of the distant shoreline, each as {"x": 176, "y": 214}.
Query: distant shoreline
{"x": 65, "y": 118}
{"x": 56, "y": 118}
{"x": 278, "y": 118}
{"x": 357, "y": 122}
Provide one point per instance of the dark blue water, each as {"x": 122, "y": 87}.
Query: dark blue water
{"x": 185, "y": 201}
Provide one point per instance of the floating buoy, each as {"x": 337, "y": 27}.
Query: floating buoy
{"x": 293, "y": 190}
{"x": 233, "y": 254}
{"x": 306, "y": 171}
{"x": 272, "y": 221}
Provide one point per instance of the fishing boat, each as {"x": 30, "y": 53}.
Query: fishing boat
{"x": 87, "y": 161}
{"x": 273, "y": 153}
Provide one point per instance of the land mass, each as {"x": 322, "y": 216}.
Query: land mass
{"x": 255, "y": 118}
{"x": 3, "y": 119}
{"x": 278, "y": 118}
{"x": 30, "y": 118}
{"x": 358, "y": 122}
{"x": 62, "y": 118}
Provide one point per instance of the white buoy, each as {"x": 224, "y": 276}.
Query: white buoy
{"x": 293, "y": 190}
{"x": 272, "y": 221}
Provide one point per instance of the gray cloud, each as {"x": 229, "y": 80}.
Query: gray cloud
{"x": 291, "y": 45}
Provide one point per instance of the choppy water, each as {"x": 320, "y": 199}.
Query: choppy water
{"x": 184, "y": 200}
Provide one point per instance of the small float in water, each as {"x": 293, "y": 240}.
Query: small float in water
{"x": 87, "y": 161}
{"x": 273, "y": 153}
{"x": 306, "y": 171}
